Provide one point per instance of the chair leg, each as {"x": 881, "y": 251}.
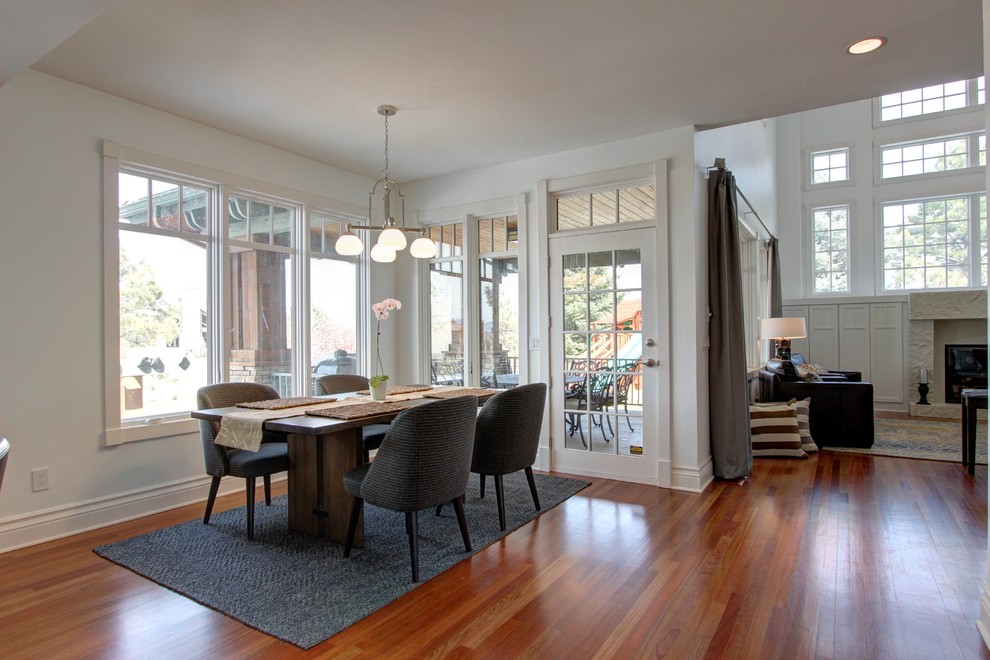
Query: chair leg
{"x": 352, "y": 525}
{"x": 412, "y": 523}
{"x": 439, "y": 509}
{"x": 268, "y": 489}
{"x": 462, "y": 522}
{"x": 532, "y": 486}
{"x": 481, "y": 478}
{"x": 214, "y": 487}
{"x": 500, "y": 499}
{"x": 250, "y": 507}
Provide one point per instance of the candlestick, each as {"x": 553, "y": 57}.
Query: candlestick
{"x": 923, "y": 393}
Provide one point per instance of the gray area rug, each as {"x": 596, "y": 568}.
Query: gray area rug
{"x": 300, "y": 588}
{"x": 933, "y": 440}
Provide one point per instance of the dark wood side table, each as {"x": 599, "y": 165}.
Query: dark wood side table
{"x": 972, "y": 400}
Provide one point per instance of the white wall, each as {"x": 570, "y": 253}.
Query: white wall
{"x": 51, "y": 404}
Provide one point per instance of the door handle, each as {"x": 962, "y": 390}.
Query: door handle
{"x": 650, "y": 362}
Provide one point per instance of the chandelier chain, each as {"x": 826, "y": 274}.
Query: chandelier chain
{"x": 386, "y": 170}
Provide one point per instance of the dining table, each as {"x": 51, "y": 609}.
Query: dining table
{"x": 322, "y": 449}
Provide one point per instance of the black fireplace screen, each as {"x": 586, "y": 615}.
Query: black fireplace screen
{"x": 965, "y": 368}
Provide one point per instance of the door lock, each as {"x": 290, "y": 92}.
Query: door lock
{"x": 650, "y": 343}
{"x": 650, "y": 362}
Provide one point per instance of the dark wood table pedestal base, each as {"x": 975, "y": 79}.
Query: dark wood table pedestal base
{"x": 316, "y": 474}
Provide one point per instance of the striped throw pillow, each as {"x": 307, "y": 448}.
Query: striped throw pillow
{"x": 803, "y": 410}
{"x": 774, "y": 430}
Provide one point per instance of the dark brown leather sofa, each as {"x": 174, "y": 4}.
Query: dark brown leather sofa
{"x": 841, "y": 412}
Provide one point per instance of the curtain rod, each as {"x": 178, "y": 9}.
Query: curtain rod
{"x": 720, "y": 165}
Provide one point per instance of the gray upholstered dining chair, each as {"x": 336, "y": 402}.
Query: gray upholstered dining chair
{"x": 272, "y": 457}
{"x": 424, "y": 461}
{"x": 507, "y": 437}
{"x": 4, "y": 451}
{"x": 371, "y": 435}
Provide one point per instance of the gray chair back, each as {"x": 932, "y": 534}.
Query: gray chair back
{"x": 4, "y": 451}
{"x": 222, "y": 395}
{"x": 507, "y": 436}
{"x": 425, "y": 458}
{"x": 337, "y": 383}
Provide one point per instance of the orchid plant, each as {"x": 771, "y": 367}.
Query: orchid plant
{"x": 381, "y": 310}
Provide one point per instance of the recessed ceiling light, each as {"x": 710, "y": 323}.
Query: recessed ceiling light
{"x": 866, "y": 45}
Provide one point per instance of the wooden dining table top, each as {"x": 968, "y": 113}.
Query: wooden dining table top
{"x": 304, "y": 424}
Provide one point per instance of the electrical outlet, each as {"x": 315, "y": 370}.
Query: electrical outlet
{"x": 40, "y": 479}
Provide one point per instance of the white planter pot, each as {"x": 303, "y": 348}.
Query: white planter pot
{"x": 379, "y": 392}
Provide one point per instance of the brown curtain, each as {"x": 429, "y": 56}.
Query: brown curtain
{"x": 773, "y": 272}
{"x": 732, "y": 452}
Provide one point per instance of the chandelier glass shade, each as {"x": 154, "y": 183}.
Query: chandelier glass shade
{"x": 393, "y": 236}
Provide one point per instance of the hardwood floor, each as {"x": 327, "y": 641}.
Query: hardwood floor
{"x": 836, "y": 556}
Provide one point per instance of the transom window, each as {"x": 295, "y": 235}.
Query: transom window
{"x": 611, "y": 207}
{"x": 830, "y": 229}
{"x": 933, "y": 156}
{"x": 830, "y": 166}
{"x": 929, "y": 100}
{"x": 929, "y": 243}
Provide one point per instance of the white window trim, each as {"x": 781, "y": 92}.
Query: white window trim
{"x": 114, "y": 156}
{"x": 806, "y": 170}
{"x": 808, "y": 240}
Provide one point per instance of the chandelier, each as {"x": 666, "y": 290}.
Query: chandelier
{"x": 393, "y": 236}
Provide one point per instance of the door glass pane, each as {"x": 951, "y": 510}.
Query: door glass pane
{"x": 499, "y": 315}
{"x": 602, "y": 346}
{"x": 165, "y": 205}
{"x": 133, "y": 198}
{"x": 604, "y": 208}
{"x": 447, "y": 323}
{"x": 575, "y": 274}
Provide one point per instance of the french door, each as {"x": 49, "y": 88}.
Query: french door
{"x": 604, "y": 394}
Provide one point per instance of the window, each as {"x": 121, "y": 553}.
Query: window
{"x": 830, "y": 166}
{"x": 933, "y": 156}
{"x": 578, "y": 211}
{"x": 498, "y": 239}
{"x": 928, "y": 243}
{"x": 259, "y": 259}
{"x": 215, "y": 285}
{"x": 162, "y": 293}
{"x": 447, "y": 305}
{"x": 929, "y": 100}
{"x": 830, "y": 238}
{"x": 333, "y": 312}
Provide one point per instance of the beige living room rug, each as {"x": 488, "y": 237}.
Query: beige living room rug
{"x": 932, "y": 440}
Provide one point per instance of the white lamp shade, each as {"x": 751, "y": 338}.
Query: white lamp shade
{"x": 382, "y": 254}
{"x": 423, "y": 248}
{"x": 783, "y": 328}
{"x": 349, "y": 245}
{"x": 393, "y": 238}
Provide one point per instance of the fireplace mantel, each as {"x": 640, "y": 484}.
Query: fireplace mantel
{"x": 924, "y": 310}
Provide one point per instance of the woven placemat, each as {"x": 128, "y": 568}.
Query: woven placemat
{"x": 281, "y": 404}
{"x": 401, "y": 389}
{"x": 479, "y": 392}
{"x": 359, "y": 410}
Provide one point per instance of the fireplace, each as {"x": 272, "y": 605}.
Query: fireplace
{"x": 965, "y": 368}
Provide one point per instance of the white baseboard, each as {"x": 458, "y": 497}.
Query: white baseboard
{"x": 694, "y": 480}
{"x": 983, "y": 624}
{"x": 57, "y": 522}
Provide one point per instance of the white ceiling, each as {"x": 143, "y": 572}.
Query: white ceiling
{"x": 479, "y": 82}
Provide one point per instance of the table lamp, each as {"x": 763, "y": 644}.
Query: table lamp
{"x": 782, "y": 330}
